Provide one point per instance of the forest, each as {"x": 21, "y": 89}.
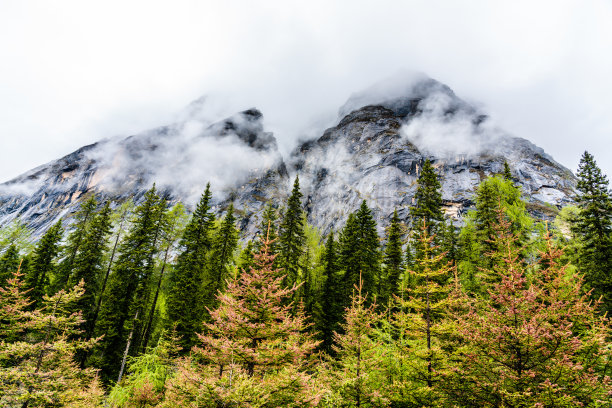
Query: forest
{"x": 149, "y": 306}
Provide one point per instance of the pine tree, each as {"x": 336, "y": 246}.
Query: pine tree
{"x": 224, "y": 244}
{"x": 247, "y": 258}
{"x": 124, "y": 293}
{"x": 358, "y": 370}
{"x": 292, "y": 237}
{"x": 332, "y": 303}
{"x": 255, "y": 352}
{"x": 73, "y": 245}
{"x": 43, "y": 265}
{"x": 533, "y": 341}
{"x": 594, "y": 226}
{"x": 393, "y": 260}
{"x": 41, "y": 370}
{"x": 185, "y": 304}
{"x": 428, "y": 199}
{"x": 88, "y": 265}
{"x": 9, "y": 262}
{"x": 360, "y": 252}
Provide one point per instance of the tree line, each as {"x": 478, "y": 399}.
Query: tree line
{"x": 145, "y": 306}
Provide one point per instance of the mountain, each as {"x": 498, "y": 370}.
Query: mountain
{"x": 374, "y": 152}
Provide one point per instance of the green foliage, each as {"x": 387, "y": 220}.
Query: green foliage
{"x": 127, "y": 288}
{"x": 428, "y": 199}
{"x": 185, "y": 298}
{"x": 393, "y": 260}
{"x": 291, "y": 236}
{"x": 593, "y": 226}
{"x": 43, "y": 263}
{"x": 331, "y": 311}
{"x": 359, "y": 252}
{"x": 18, "y": 234}
{"x": 9, "y": 263}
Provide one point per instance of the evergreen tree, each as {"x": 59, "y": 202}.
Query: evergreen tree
{"x": 247, "y": 258}
{"x": 43, "y": 264}
{"x": 594, "y": 226}
{"x": 185, "y": 304}
{"x": 88, "y": 265}
{"x": 124, "y": 294}
{"x": 9, "y": 262}
{"x": 73, "y": 245}
{"x": 255, "y": 352}
{"x": 292, "y": 237}
{"x": 428, "y": 199}
{"x": 331, "y": 315}
{"x": 393, "y": 260}
{"x": 224, "y": 244}
{"x": 507, "y": 173}
{"x": 359, "y": 252}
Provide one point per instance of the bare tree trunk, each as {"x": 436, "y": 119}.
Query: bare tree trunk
{"x": 127, "y": 348}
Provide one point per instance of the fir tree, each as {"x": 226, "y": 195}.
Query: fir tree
{"x": 88, "y": 265}
{"x": 224, "y": 244}
{"x": 247, "y": 258}
{"x": 125, "y": 287}
{"x": 359, "y": 252}
{"x": 73, "y": 245}
{"x": 43, "y": 264}
{"x": 332, "y": 295}
{"x": 393, "y": 260}
{"x": 255, "y": 351}
{"x": 184, "y": 303}
{"x": 9, "y": 262}
{"x": 594, "y": 226}
{"x": 507, "y": 173}
{"x": 292, "y": 237}
{"x": 428, "y": 199}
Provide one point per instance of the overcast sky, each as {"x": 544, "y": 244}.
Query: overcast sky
{"x": 73, "y": 72}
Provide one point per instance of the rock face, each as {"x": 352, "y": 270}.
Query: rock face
{"x": 374, "y": 152}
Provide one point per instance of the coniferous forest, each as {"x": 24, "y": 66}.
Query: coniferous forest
{"x": 149, "y": 306}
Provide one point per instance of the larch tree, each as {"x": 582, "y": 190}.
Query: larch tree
{"x": 534, "y": 341}
{"x": 38, "y": 368}
{"x": 185, "y": 293}
{"x": 255, "y": 351}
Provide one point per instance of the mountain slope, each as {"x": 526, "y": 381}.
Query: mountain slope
{"x": 374, "y": 152}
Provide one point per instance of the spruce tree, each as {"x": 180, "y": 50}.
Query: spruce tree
{"x": 594, "y": 226}
{"x": 360, "y": 252}
{"x": 185, "y": 304}
{"x": 224, "y": 244}
{"x": 125, "y": 287}
{"x": 507, "y": 173}
{"x": 292, "y": 236}
{"x": 268, "y": 225}
{"x": 88, "y": 265}
{"x": 331, "y": 313}
{"x": 428, "y": 199}
{"x": 393, "y": 260}
{"x": 247, "y": 259}
{"x": 43, "y": 264}
{"x": 9, "y": 262}
{"x": 74, "y": 241}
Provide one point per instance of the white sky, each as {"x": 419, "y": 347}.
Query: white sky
{"x": 73, "y": 72}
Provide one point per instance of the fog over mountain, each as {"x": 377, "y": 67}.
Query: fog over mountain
{"x": 373, "y": 151}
